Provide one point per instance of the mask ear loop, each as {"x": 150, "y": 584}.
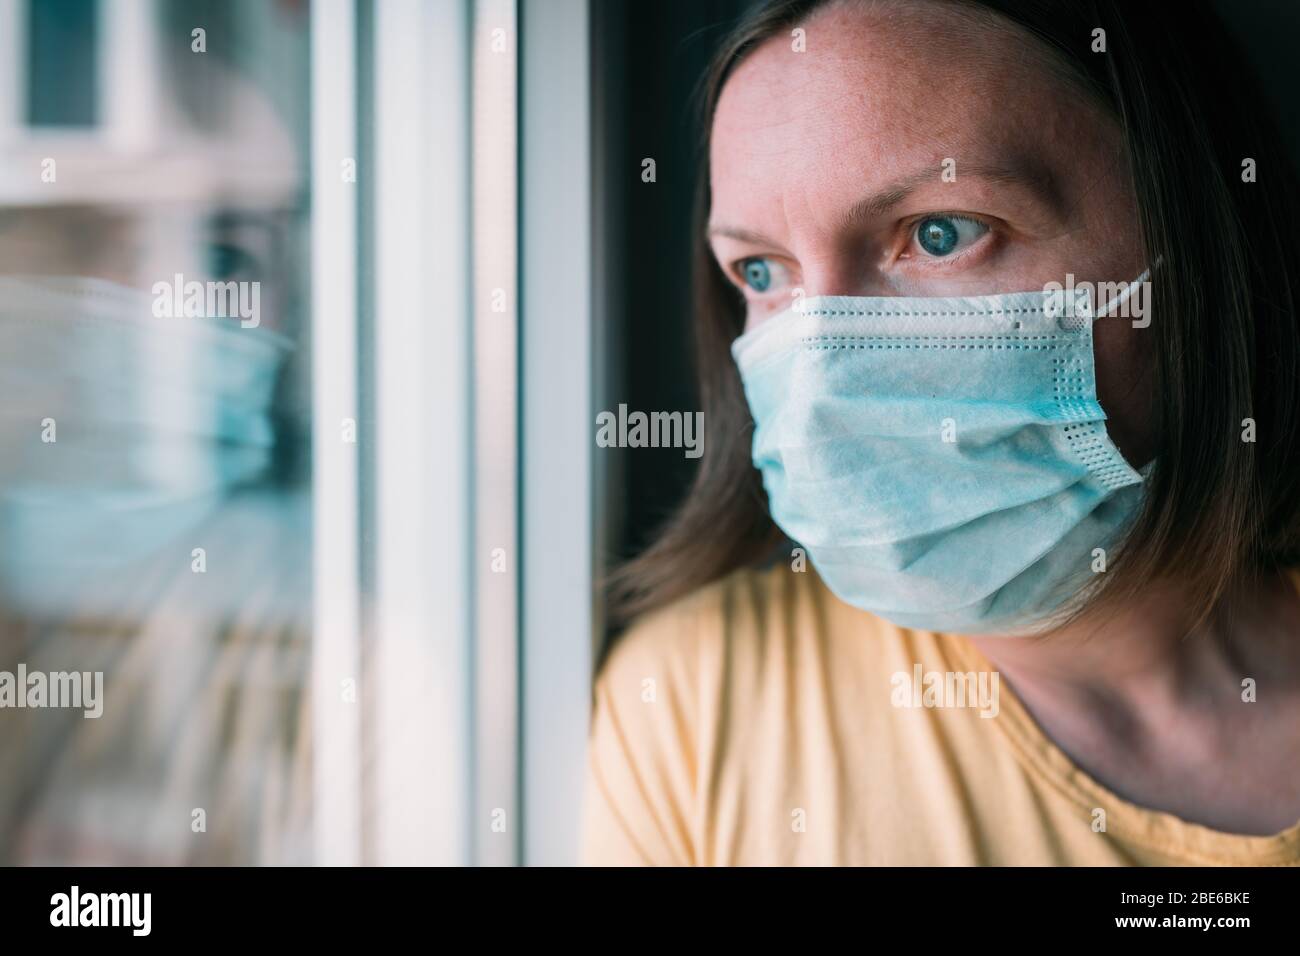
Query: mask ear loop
{"x": 1145, "y": 470}
{"x": 1124, "y": 295}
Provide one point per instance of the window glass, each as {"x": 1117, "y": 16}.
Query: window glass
{"x": 155, "y": 510}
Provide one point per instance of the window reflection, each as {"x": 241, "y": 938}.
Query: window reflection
{"x": 154, "y": 505}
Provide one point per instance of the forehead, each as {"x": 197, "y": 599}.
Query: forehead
{"x": 882, "y": 90}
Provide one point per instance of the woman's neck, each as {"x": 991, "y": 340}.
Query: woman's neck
{"x": 1148, "y": 701}
{"x": 1155, "y": 639}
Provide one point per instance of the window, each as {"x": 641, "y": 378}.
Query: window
{"x": 294, "y": 418}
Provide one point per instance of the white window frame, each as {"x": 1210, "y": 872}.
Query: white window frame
{"x": 476, "y": 689}
{"x": 558, "y": 621}
{"x": 336, "y": 599}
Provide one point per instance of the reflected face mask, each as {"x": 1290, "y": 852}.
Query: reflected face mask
{"x": 119, "y": 431}
{"x": 944, "y": 461}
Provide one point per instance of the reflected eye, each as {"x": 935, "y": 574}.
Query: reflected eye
{"x": 941, "y": 236}
{"x": 756, "y": 273}
{"x": 228, "y": 261}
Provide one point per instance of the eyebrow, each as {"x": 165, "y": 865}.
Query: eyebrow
{"x": 1039, "y": 180}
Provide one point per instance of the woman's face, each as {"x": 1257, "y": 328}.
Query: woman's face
{"x": 913, "y": 150}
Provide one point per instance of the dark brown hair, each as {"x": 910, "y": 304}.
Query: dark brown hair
{"x": 1226, "y": 344}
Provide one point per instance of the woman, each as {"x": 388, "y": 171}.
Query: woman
{"x": 998, "y": 329}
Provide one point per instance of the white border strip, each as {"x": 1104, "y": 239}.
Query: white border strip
{"x": 336, "y": 641}
{"x": 496, "y": 824}
{"x": 13, "y": 69}
{"x": 130, "y": 72}
{"x": 558, "y": 421}
{"x": 422, "y": 688}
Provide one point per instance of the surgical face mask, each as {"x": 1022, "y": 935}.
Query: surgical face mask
{"x": 944, "y": 461}
{"x": 119, "y": 431}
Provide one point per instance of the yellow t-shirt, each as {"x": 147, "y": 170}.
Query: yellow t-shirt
{"x": 763, "y": 721}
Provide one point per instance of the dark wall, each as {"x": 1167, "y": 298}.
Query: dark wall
{"x": 648, "y": 61}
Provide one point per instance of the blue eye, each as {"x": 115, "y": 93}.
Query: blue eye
{"x": 757, "y": 274}
{"x": 940, "y": 236}
{"x": 227, "y": 261}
